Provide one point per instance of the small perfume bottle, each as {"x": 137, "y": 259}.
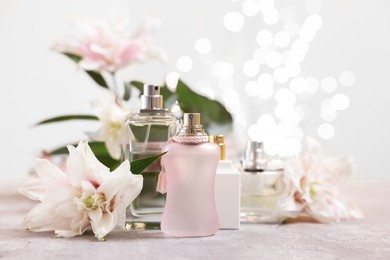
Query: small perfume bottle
{"x": 147, "y": 133}
{"x": 190, "y": 165}
{"x": 227, "y": 188}
{"x": 262, "y": 186}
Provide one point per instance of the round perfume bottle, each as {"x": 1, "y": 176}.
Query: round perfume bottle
{"x": 190, "y": 166}
{"x": 262, "y": 187}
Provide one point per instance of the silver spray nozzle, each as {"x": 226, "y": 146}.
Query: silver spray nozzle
{"x": 253, "y": 158}
{"x": 151, "y": 98}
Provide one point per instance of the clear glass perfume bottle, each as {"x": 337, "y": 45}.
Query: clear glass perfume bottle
{"x": 190, "y": 167}
{"x": 147, "y": 133}
{"x": 262, "y": 187}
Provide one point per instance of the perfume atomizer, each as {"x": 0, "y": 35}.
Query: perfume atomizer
{"x": 254, "y": 159}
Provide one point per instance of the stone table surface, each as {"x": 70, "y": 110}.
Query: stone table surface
{"x": 363, "y": 239}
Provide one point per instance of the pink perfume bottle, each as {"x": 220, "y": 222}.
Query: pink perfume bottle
{"x": 189, "y": 167}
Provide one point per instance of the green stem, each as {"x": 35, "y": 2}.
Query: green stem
{"x": 114, "y": 88}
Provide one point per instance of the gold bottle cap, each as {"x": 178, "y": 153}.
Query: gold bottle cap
{"x": 191, "y": 120}
{"x": 220, "y": 141}
{"x": 191, "y": 125}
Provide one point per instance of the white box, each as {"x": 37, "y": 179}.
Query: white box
{"x": 227, "y": 195}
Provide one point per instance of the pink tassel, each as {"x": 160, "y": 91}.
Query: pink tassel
{"x": 162, "y": 182}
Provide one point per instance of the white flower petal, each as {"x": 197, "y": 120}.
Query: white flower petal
{"x": 329, "y": 205}
{"x": 87, "y": 189}
{"x": 99, "y": 106}
{"x": 101, "y": 227}
{"x": 76, "y": 166}
{"x": 67, "y": 209}
{"x": 311, "y": 154}
{"x": 95, "y": 215}
{"x": 95, "y": 169}
{"x": 34, "y": 189}
{"x": 293, "y": 173}
{"x": 50, "y": 174}
{"x": 114, "y": 147}
{"x": 291, "y": 208}
{"x": 98, "y": 135}
{"x": 110, "y": 187}
{"x": 42, "y": 218}
{"x": 80, "y": 223}
{"x": 122, "y": 182}
{"x": 112, "y": 130}
{"x": 338, "y": 169}
{"x": 89, "y": 64}
{"x": 122, "y": 170}
{"x": 80, "y": 203}
{"x": 131, "y": 183}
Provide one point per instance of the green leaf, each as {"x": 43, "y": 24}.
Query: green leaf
{"x": 127, "y": 94}
{"x": 59, "y": 150}
{"x": 98, "y": 148}
{"x": 66, "y": 118}
{"x": 215, "y": 118}
{"x": 95, "y": 75}
{"x": 169, "y": 96}
{"x": 98, "y": 78}
{"x": 138, "y": 85}
{"x": 74, "y": 57}
{"x": 137, "y": 166}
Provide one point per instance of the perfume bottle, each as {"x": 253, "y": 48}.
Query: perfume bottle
{"x": 147, "y": 133}
{"x": 262, "y": 186}
{"x": 189, "y": 167}
{"x": 227, "y": 188}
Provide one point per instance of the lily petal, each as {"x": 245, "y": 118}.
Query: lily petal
{"x": 339, "y": 169}
{"x": 101, "y": 227}
{"x": 76, "y": 166}
{"x": 34, "y": 189}
{"x": 50, "y": 174}
{"x": 95, "y": 168}
{"x": 67, "y": 209}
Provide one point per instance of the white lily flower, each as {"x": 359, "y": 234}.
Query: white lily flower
{"x": 112, "y": 130}
{"x": 86, "y": 196}
{"x": 316, "y": 182}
